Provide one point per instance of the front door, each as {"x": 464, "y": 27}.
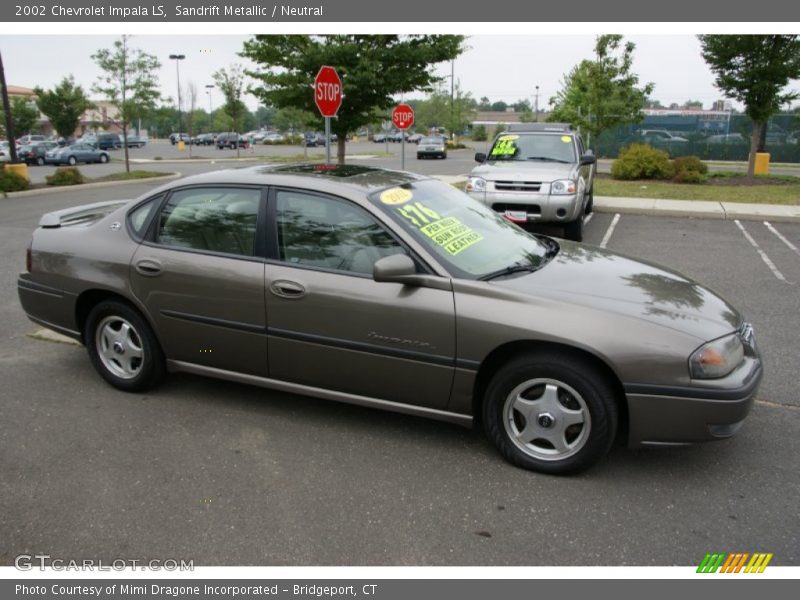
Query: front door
{"x": 332, "y": 326}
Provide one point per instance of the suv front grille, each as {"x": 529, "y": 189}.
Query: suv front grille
{"x": 518, "y": 186}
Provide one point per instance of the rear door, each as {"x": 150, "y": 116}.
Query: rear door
{"x": 201, "y": 276}
{"x": 332, "y": 326}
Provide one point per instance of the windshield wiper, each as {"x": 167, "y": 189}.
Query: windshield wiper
{"x": 548, "y": 159}
{"x": 517, "y": 267}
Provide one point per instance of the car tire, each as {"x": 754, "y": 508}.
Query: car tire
{"x": 72, "y": 161}
{"x": 574, "y": 229}
{"x": 589, "y": 203}
{"x": 103, "y": 158}
{"x": 565, "y": 398}
{"x": 122, "y": 347}
{"x": 40, "y": 161}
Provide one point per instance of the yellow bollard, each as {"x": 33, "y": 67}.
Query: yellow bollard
{"x": 762, "y": 163}
{"x": 181, "y": 146}
{"x": 19, "y": 169}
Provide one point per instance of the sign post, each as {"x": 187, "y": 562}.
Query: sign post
{"x": 403, "y": 118}
{"x": 387, "y": 127}
{"x": 328, "y": 98}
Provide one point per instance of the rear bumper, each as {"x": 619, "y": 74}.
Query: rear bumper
{"x": 48, "y": 306}
{"x": 666, "y": 415}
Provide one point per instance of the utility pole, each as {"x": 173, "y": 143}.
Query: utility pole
{"x": 536, "y": 104}
{"x": 210, "y": 87}
{"x": 452, "y": 98}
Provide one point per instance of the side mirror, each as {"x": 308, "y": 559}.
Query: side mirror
{"x": 397, "y": 268}
{"x": 588, "y": 159}
{"x": 480, "y": 157}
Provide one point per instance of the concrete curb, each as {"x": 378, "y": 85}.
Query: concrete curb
{"x": 701, "y": 209}
{"x": 83, "y": 186}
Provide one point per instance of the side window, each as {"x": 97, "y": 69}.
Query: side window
{"x": 212, "y": 219}
{"x": 329, "y": 233}
{"x": 139, "y": 217}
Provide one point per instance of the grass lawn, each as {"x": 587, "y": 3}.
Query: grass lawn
{"x": 125, "y": 176}
{"x": 762, "y": 192}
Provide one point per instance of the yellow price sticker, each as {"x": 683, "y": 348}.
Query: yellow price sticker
{"x": 566, "y": 139}
{"x": 509, "y": 137}
{"x": 395, "y": 196}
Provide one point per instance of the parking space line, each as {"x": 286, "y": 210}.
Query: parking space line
{"x": 588, "y": 218}
{"x": 763, "y": 254}
{"x": 610, "y": 231}
{"x": 781, "y": 238}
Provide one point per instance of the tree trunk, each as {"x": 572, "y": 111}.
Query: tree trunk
{"x": 340, "y": 143}
{"x": 762, "y": 138}
{"x": 755, "y": 138}
{"x": 125, "y": 146}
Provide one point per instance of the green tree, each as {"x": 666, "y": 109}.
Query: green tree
{"x": 230, "y": 82}
{"x": 63, "y": 105}
{"x": 693, "y": 105}
{"x": 129, "y": 81}
{"x": 499, "y": 106}
{"x": 375, "y": 70}
{"x": 24, "y": 116}
{"x": 602, "y": 93}
{"x": 755, "y": 70}
{"x": 295, "y": 119}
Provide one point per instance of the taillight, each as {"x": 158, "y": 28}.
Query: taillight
{"x": 29, "y": 257}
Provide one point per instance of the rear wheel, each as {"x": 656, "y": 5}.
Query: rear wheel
{"x": 40, "y": 161}
{"x": 552, "y": 413}
{"x": 72, "y": 161}
{"x": 122, "y": 347}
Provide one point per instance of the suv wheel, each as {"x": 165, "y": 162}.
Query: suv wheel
{"x": 589, "y": 203}
{"x": 550, "y": 413}
{"x": 574, "y": 229}
{"x": 122, "y": 347}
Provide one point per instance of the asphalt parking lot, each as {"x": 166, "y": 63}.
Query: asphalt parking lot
{"x": 226, "y": 474}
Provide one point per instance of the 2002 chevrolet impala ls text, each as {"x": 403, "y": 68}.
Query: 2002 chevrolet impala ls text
{"x": 391, "y": 290}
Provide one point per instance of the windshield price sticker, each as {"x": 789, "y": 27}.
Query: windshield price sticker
{"x": 566, "y": 139}
{"x": 396, "y": 196}
{"x": 448, "y": 233}
{"x": 505, "y": 146}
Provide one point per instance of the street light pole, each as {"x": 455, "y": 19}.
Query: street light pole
{"x": 536, "y": 104}
{"x": 178, "y": 58}
{"x": 210, "y": 87}
{"x": 452, "y": 97}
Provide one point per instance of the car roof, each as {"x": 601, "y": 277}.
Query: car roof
{"x": 539, "y": 128}
{"x": 316, "y": 176}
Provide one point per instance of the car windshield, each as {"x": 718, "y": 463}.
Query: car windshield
{"x": 541, "y": 147}
{"x": 469, "y": 239}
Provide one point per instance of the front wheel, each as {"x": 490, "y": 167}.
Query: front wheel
{"x": 589, "y": 203}
{"x": 574, "y": 229}
{"x": 103, "y": 158}
{"x": 72, "y": 161}
{"x": 552, "y": 413}
{"x": 40, "y": 161}
{"x": 122, "y": 347}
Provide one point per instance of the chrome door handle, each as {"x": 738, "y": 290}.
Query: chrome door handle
{"x": 287, "y": 289}
{"x": 149, "y": 267}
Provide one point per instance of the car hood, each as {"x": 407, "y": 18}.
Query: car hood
{"x": 586, "y": 275}
{"x": 523, "y": 170}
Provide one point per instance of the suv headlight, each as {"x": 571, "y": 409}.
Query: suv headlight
{"x": 563, "y": 186}
{"x": 718, "y": 358}
{"x": 475, "y": 184}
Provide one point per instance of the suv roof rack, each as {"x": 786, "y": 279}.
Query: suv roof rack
{"x": 554, "y": 127}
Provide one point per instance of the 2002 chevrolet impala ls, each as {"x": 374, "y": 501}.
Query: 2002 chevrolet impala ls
{"x": 392, "y": 290}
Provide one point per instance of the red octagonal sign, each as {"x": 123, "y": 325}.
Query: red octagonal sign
{"x": 328, "y": 91}
{"x": 403, "y": 116}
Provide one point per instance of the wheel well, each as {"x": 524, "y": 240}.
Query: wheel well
{"x": 502, "y": 354}
{"x": 91, "y": 298}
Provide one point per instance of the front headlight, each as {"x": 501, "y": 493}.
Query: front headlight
{"x": 476, "y": 184}
{"x": 563, "y": 186}
{"x": 717, "y": 359}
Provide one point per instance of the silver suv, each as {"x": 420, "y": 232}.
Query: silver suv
{"x": 537, "y": 173}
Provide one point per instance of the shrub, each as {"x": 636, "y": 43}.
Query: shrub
{"x": 690, "y": 163}
{"x": 688, "y": 177}
{"x": 12, "y": 182}
{"x": 455, "y": 145}
{"x": 642, "y": 161}
{"x": 65, "y": 176}
{"x": 479, "y": 133}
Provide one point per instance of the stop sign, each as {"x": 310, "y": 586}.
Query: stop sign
{"x": 328, "y": 91}
{"x": 403, "y": 116}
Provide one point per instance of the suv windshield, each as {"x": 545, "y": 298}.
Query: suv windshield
{"x": 469, "y": 239}
{"x": 540, "y": 146}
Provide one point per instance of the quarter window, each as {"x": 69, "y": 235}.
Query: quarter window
{"x": 139, "y": 217}
{"x": 211, "y": 219}
{"x": 329, "y": 233}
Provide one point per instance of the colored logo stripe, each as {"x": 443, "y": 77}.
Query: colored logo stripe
{"x": 734, "y": 562}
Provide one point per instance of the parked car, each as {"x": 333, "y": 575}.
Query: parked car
{"x": 414, "y": 138}
{"x": 556, "y": 346}
{"x": 34, "y": 153}
{"x": 432, "y": 147}
{"x": 398, "y": 136}
{"x": 537, "y": 173}
{"x": 273, "y": 138}
{"x": 136, "y": 141}
{"x": 204, "y": 139}
{"x": 231, "y": 140}
{"x": 75, "y": 153}
{"x": 30, "y": 138}
{"x": 5, "y": 151}
{"x": 657, "y": 136}
{"x": 313, "y": 139}
{"x": 174, "y": 138}
{"x": 728, "y": 138}
{"x": 379, "y": 138}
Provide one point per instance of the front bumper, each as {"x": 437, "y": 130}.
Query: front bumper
{"x": 669, "y": 415}
{"x": 537, "y": 207}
